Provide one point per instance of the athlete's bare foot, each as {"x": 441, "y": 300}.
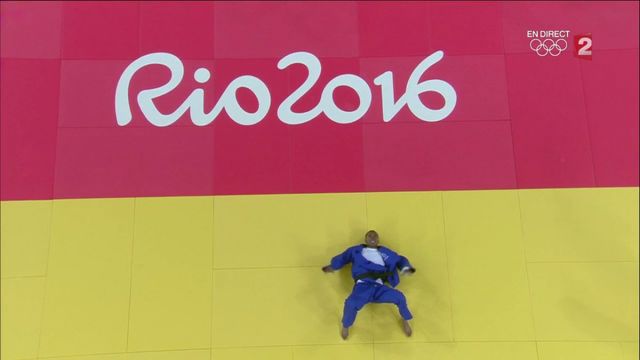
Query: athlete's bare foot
{"x": 344, "y": 333}
{"x": 406, "y": 327}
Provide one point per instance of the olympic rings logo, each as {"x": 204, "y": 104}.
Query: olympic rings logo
{"x": 548, "y": 46}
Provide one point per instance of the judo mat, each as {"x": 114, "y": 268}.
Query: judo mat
{"x": 511, "y": 274}
{"x": 494, "y": 144}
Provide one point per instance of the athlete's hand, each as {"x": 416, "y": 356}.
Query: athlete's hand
{"x": 327, "y": 269}
{"x": 407, "y": 271}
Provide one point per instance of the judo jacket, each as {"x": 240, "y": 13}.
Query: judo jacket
{"x": 361, "y": 266}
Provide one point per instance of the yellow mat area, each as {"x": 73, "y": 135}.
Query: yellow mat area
{"x": 514, "y": 274}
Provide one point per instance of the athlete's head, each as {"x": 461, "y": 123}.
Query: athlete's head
{"x": 371, "y": 238}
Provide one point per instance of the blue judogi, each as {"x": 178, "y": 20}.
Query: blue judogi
{"x": 368, "y": 290}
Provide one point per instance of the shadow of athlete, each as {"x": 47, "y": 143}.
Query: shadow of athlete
{"x": 373, "y": 265}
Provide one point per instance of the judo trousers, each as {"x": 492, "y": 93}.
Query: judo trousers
{"x": 366, "y": 292}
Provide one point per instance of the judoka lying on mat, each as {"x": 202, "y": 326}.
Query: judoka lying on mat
{"x": 373, "y": 265}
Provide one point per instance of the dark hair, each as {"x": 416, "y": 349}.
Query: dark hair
{"x": 371, "y": 234}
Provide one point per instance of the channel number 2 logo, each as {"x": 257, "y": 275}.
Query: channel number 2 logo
{"x": 583, "y": 45}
